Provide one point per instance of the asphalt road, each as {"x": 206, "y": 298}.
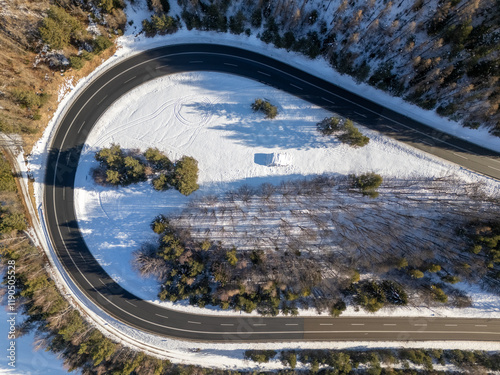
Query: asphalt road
{"x": 102, "y": 290}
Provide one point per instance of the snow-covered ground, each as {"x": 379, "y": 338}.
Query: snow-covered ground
{"x": 28, "y": 360}
{"x": 208, "y": 116}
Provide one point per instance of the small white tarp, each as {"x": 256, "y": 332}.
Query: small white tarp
{"x": 279, "y": 160}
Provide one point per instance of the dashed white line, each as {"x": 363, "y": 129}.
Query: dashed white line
{"x": 389, "y": 324}
{"x": 298, "y": 87}
{"x": 105, "y": 96}
{"x": 291, "y": 324}
{"x": 357, "y": 324}
{"x": 360, "y": 114}
{"x": 421, "y": 325}
{"x": 489, "y": 166}
{"x": 130, "y": 79}
{"x": 326, "y": 100}
{"x": 481, "y": 325}
{"x": 64, "y": 193}
{"x": 460, "y": 156}
{"x": 230, "y": 64}
{"x": 326, "y": 324}
{"x": 190, "y": 321}
{"x": 258, "y": 325}
{"x": 258, "y": 71}
{"x": 162, "y": 316}
{"x": 83, "y": 258}
{"x": 130, "y": 303}
{"x": 79, "y": 130}
{"x": 450, "y": 325}
{"x": 159, "y": 67}
{"x": 227, "y": 324}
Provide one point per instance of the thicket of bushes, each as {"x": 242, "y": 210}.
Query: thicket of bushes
{"x": 345, "y": 130}
{"x": 119, "y": 168}
{"x": 380, "y": 361}
{"x": 264, "y": 106}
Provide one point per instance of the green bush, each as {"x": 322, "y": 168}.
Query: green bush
{"x": 416, "y": 274}
{"x": 59, "y": 28}
{"x": 100, "y": 44}
{"x": 185, "y": 177}
{"x": 367, "y": 183}
{"x": 158, "y": 160}
{"x": 12, "y": 221}
{"x": 271, "y": 111}
{"x": 352, "y": 136}
{"x": 7, "y": 182}
{"x": 260, "y": 356}
{"x": 161, "y": 182}
{"x": 76, "y": 62}
{"x": 30, "y": 99}
{"x": 438, "y": 294}
{"x": 161, "y": 24}
{"x": 329, "y": 125}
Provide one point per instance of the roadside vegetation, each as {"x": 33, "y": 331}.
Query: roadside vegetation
{"x": 395, "y": 47}
{"x": 120, "y": 168}
{"x": 345, "y": 130}
{"x": 306, "y": 243}
{"x": 380, "y": 361}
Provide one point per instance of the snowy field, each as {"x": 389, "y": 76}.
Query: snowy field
{"x": 208, "y": 116}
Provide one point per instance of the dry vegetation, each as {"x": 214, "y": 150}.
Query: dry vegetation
{"x": 322, "y": 241}
{"x": 29, "y": 84}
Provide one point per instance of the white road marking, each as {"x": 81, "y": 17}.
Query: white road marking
{"x": 64, "y": 193}
{"x": 489, "y": 166}
{"x": 258, "y": 71}
{"x": 421, "y": 325}
{"x": 326, "y": 324}
{"x": 258, "y": 325}
{"x": 159, "y": 67}
{"x": 190, "y": 321}
{"x": 427, "y": 143}
{"x": 291, "y": 324}
{"x": 105, "y": 96}
{"x": 227, "y": 324}
{"x": 326, "y": 100}
{"x": 128, "y": 80}
{"x": 357, "y": 324}
{"x": 230, "y": 64}
{"x": 83, "y": 123}
{"x": 162, "y": 316}
{"x": 450, "y": 325}
{"x": 360, "y": 114}
{"x": 81, "y": 256}
{"x": 481, "y": 325}
{"x": 298, "y": 87}
{"x": 102, "y": 282}
{"x": 389, "y": 324}
{"x": 130, "y": 303}
{"x": 460, "y": 156}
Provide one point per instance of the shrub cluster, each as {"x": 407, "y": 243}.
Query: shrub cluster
{"x": 261, "y": 105}
{"x": 373, "y": 295}
{"x": 120, "y": 169}
{"x": 160, "y": 24}
{"x": 368, "y": 183}
{"x": 346, "y": 131}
